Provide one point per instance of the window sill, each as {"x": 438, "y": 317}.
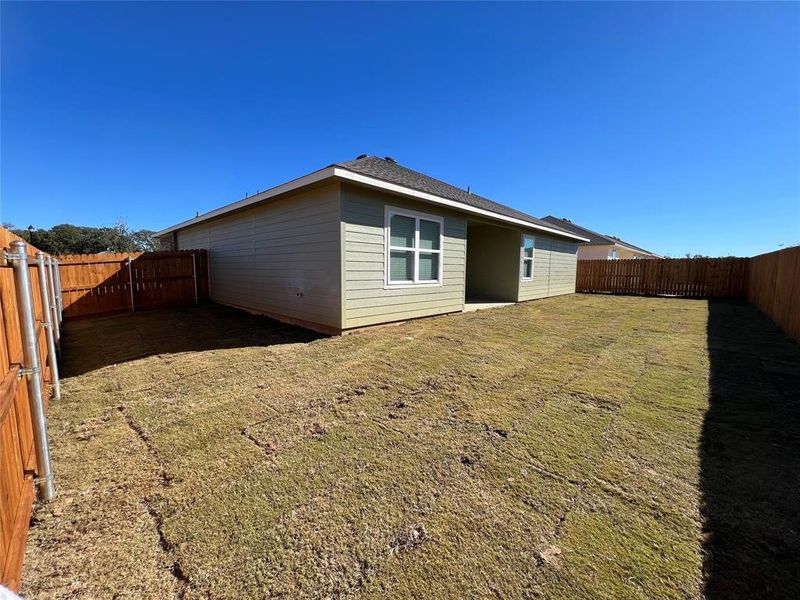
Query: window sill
{"x": 406, "y": 286}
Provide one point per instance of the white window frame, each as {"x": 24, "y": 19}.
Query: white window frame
{"x": 389, "y": 212}
{"x": 613, "y": 254}
{"x": 532, "y": 238}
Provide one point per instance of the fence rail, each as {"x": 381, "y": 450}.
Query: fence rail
{"x": 687, "y": 277}
{"x": 770, "y": 281}
{"x": 100, "y": 284}
{"x": 28, "y": 367}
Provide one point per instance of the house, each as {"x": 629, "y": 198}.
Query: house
{"x": 369, "y": 241}
{"x": 600, "y": 246}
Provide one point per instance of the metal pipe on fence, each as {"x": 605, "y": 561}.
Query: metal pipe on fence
{"x": 194, "y": 279}
{"x": 130, "y": 282}
{"x": 49, "y": 315}
{"x": 31, "y": 369}
{"x": 55, "y": 314}
{"x": 60, "y": 296}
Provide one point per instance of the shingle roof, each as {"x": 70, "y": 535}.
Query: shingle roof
{"x": 595, "y": 239}
{"x": 392, "y": 172}
{"x": 385, "y": 172}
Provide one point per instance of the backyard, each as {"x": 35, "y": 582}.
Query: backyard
{"x": 574, "y": 447}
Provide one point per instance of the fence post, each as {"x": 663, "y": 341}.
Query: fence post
{"x": 194, "y": 279}
{"x": 31, "y": 368}
{"x": 56, "y": 267}
{"x": 49, "y": 315}
{"x": 130, "y": 282}
{"x": 54, "y": 312}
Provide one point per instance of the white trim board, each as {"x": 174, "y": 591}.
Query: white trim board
{"x": 338, "y": 172}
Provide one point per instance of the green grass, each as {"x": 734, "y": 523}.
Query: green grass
{"x": 561, "y": 448}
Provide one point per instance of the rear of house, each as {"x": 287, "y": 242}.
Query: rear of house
{"x": 369, "y": 241}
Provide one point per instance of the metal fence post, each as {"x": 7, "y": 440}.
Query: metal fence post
{"x": 56, "y": 266}
{"x": 31, "y": 369}
{"x": 194, "y": 279}
{"x": 54, "y": 312}
{"x": 49, "y": 316}
{"x": 130, "y": 282}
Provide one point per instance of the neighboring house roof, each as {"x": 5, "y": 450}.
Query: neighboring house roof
{"x": 595, "y": 239}
{"x": 386, "y": 174}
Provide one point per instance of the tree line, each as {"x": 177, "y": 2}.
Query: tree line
{"x": 77, "y": 239}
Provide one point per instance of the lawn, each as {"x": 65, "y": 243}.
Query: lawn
{"x": 574, "y": 447}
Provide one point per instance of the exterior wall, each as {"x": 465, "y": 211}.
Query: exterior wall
{"x": 281, "y": 258}
{"x": 593, "y": 252}
{"x": 366, "y": 299}
{"x": 555, "y": 264}
{"x": 167, "y": 242}
{"x": 604, "y": 251}
{"x": 492, "y": 263}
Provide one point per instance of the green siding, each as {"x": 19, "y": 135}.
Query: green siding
{"x": 280, "y": 258}
{"x": 366, "y": 300}
{"x": 492, "y": 263}
{"x": 555, "y": 263}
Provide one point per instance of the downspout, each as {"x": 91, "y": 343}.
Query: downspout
{"x": 49, "y": 314}
{"x": 31, "y": 368}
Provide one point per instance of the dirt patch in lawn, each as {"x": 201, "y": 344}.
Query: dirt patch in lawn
{"x": 584, "y": 446}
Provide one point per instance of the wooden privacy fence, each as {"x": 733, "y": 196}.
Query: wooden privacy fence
{"x": 773, "y": 285}
{"x": 770, "y": 281}
{"x": 29, "y": 326}
{"x": 686, "y": 277}
{"x": 98, "y": 284}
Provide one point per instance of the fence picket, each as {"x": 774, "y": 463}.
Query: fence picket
{"x": 17, "y": 452}
{"x": 770, "y": 281}
{"x": 98, "y": 284}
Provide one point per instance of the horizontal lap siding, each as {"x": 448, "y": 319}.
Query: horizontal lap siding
{"x": 554, "y": 268}
{"x": 563, "y": 267}
{"x": 366, "y": 302}
{"x": 280, "y": 258}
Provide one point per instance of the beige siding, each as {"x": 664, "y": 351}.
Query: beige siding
{"x": 555, "y": 263}
{"x": 604, "y": 251}
{"x": 593, "y": 252}
{"x": 366, "y": 299}
{"x": 281, "y": 258}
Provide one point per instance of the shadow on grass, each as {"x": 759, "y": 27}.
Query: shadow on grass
{"x": 89, "y": 344}
{"x": 750, "y": 457}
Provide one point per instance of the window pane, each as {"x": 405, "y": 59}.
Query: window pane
{"x": 428, "y": 235}
{"x": 528, "y": 247}
{"x": 428, "y": 267}
{"x": 528, "y": 270}
{"x": 402, "y": 231}
{"x": 401, "y": 266}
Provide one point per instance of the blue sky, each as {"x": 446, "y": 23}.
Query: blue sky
{"x": 673, "y": 126}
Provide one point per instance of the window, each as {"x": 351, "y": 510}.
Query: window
{"x": 414, "y": 248}
{"x": 527, "y": 257}
{"x": 613, "y": 254}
